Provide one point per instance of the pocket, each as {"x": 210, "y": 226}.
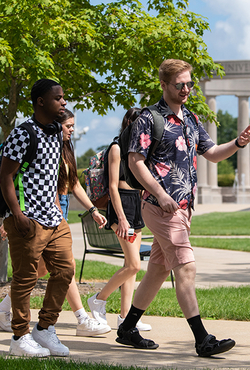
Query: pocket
{"x": 32, "y": 231}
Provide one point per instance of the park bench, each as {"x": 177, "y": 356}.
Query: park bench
{"x": 105, "y": 242}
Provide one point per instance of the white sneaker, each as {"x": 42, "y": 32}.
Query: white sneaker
{"x": 5, "y": 321}
{"x": 97, "y": 307}
{"x": 49, "y": 339}
{"x": 91, "y": 327}
{"x": 27, "y": 346}
{"x": 140, "y": 326}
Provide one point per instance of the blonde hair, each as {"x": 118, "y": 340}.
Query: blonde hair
{"x": 170, "y": 67}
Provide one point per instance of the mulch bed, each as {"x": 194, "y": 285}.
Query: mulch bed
{"x": 85, "y": 288}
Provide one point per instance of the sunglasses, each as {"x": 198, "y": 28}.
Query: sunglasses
{"x": 180, "y": 85}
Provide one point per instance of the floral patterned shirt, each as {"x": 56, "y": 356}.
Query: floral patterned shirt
{"x": 174, "y": 163}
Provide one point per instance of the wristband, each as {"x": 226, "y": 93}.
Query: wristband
{"x": 92, "y": 209}
{"x": 238, "y": 145}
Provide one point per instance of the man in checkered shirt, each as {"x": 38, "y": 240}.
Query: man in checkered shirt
{"x": 40, "y": 229}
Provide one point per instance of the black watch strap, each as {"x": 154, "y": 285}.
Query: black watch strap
{"x": 238, "y": 145}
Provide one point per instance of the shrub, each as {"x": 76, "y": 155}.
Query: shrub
{"x": 81, "y": 177}
{"x": 226, "y": 179}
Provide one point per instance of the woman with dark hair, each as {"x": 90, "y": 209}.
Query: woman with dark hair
{"x": 67, "y": 181}
{"x": 123, "y": 213}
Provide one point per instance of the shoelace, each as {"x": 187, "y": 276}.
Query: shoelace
{"x": 103, "y": 309}
{"x": 29, "y": 339}
{"x": 91, "y": 323}
{"x": 53, "y": 335}
{"x": 8, "y": 316}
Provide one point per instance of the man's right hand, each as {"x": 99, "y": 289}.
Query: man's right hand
{"x": 167, "y": 203}
{"x": 22, "y": 223}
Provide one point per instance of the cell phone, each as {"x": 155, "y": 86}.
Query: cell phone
{"x": 131, "y": 235}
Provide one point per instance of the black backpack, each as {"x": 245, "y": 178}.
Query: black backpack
{"x": 27, "y": 160}
{"x": 124, "y": 140}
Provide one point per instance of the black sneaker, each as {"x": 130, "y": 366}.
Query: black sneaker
{"x": 132, "y": 337}
{"x": 211, "y": 346}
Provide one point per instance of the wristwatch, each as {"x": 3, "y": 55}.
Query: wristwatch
{"x": 238, "y": 145}
{"x": 92, "y": 210}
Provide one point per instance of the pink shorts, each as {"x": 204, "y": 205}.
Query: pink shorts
{"x": 171, "y": 246}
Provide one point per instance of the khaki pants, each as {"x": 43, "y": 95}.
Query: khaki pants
{"x": 55, "y": 245}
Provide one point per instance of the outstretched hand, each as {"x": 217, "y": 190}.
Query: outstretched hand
{"x": 244, "y": 137}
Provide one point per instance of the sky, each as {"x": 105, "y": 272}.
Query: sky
{"x": 228, "y": 39}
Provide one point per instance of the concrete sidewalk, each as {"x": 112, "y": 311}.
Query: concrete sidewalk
{"x": 176, "y": 350}
{"x": 176, "y": 344}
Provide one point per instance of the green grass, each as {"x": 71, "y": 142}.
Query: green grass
{"x": 221, "y": 223}
{"x": 73, "y": 216}
{"x": 58, "y": 364}
{"x": 216, "y": 223}
{"x": 223, "y": 303}
{"x": 236, "y": 244}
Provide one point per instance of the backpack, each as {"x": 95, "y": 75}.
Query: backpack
{"x": 96, "y": 177}
{"x": 124, "y": 140}
{"x": 27, "y": 160}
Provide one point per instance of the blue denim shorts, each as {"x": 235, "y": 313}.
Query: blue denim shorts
{"x": 64, "y": 203}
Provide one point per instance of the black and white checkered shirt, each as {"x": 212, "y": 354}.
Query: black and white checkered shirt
{"x": 40, "y": 179}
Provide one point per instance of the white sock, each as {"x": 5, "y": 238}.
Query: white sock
{"x": 5, "y": 305}
{"x": 81, "y": 315}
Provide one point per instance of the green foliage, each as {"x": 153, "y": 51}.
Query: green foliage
{"x": 226, "y": 179}
{"x": 225, "y": 168}
{"x": 226, "y": 132}
{"x": 94, "y": 52}
{"x": 83, "y": 161}
{"x": 226, "y": 173}
{"x": 81, "y": 177}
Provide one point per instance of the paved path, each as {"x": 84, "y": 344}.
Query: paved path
{"x": 176, "y": 350}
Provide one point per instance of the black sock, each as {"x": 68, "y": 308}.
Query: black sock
{"x": 197, "y": 328}
{"x": 132, "y": 318}
{"x": 39, "y": 328}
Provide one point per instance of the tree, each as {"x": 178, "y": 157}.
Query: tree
{"x": 101, "y": 54}
{"x": 226, "y": 132}
{"x": 83, "y": 161}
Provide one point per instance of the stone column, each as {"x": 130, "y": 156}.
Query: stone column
{"x": 216, "y": 196}
{"x": 243, "y": 161}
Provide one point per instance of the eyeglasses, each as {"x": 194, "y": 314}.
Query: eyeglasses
{"x": 180, "y": 85}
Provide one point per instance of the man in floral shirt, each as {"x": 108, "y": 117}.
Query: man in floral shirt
{"x": 170, "y": 183}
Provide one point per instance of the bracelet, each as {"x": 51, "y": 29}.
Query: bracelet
{"x": 238, "y": 145}
{"x": 92, "y": 210}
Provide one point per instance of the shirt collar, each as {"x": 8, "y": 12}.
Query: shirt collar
{"x": 166, "y": 111}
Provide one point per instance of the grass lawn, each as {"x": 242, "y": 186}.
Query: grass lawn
{"x": 221, "y": 223}
{"x": 59, "y": 364}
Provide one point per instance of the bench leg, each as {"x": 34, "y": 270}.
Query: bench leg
{"x": 172, "y": 278}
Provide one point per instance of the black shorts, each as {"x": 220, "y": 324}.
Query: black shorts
{"x": 131, "y": 204}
